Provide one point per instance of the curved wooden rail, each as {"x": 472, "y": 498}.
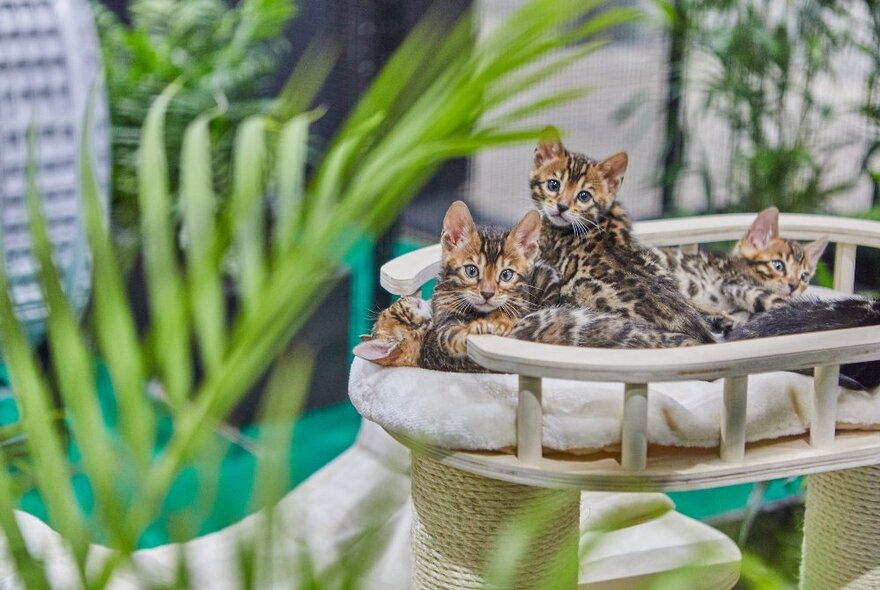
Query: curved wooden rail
{"x": 706, "y": 362}
{"x": 670, "y": 470}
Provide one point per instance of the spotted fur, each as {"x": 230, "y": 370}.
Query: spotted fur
{"x": 584, "y": 327}
{"x": 398, "y": 333}
{"x": 762, "y": 273}
{"x": 587, "y": 237}
{"x": 487, "y": 281}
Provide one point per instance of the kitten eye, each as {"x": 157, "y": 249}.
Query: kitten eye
{"x": 778, "y": 265}
{"x": 506, "y": 275}
{"x": 553, "y": 185}
{"x": 805, "y": 277}
{"x": 471, "y": 271}
{"x": 584, "y": 196}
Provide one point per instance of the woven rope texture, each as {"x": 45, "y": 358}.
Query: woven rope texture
{"x": 842, "y": 531}
{"x": 461, "y": 520}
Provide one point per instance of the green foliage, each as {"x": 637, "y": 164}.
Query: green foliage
{"x": 766, "y": 67}
{"x": 274, "y": 238}
{"x": 223, "y": 54}
{"x": 870, "y": 106}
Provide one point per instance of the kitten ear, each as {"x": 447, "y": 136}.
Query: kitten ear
{"x": 613, "y": 169}
{"x": 526, "y": 233}
{"x": 378, "y": 351}
{"x": 458, "y": 226}
{"x": 549, "y": 146}
{"x": 815, "y": 250}
{"x": 764, "y": 228}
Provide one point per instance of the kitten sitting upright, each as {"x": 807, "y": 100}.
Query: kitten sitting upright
{"x": 587, "y": 237}
{"x": 398, "y": 333}
{"x": 486, "y": 283}
{"x": 762, "y": 273}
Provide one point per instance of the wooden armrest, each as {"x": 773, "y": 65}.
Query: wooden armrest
{"x": 407, "y": 273}
{"x": 709, "y": 361}
{"x": 715, "y": 228}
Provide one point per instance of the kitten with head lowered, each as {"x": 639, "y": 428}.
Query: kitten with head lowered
{"x": 398, "y": 333}
{"x": 763, "y": 272}
{"x": 587, "y": 236}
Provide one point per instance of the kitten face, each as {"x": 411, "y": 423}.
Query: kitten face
{"x": 784, "y": 265}
{"x": 397, "y": 335}
{"x": 572, "y": 190}
{"x": 486, "y": 269}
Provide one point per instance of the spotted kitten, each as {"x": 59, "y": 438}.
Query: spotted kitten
{"x": 398, "y": 333}
{"x": 586, "y": 236}
{"x": 486, "y": 282}
{"x": 762, "y": 273}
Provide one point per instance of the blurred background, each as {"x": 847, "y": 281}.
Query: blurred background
{"x": 722, "y": 106}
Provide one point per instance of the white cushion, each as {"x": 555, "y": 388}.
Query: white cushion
{"x": 466, "y": 411}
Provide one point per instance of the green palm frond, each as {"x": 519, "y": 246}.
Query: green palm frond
{"x": 274, "y": 237}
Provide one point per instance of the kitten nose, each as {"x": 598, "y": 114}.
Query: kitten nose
{"x": 487, "y": 295}
{"x": 561, "y": 207}
{"x": 793, "y": 287}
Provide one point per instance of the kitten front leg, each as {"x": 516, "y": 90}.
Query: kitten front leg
{"x": 499, "y": 325}
{"x": 453, "y": 338}
{"x": 753, "y": 298}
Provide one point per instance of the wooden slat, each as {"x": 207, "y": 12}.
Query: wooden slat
{"x": 677, "y": 469}
{"x": 634, "y": 427}
{"x": 529, "y": 420}
{"x": 711, "y": 361}
{"x": 733, "y": 419}
{"x": 844, "y": 267}
{"x": 824, "y": 412}
{"x": 716, "y": 228}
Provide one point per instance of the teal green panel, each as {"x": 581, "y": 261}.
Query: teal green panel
{"x": 703, "y": 504}
{"x": 360, "y": 263}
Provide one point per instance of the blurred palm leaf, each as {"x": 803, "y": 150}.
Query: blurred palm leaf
{"x": 274, "y": 237}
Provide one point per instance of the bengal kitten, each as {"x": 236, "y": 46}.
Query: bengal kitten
{"x": 763, "y": 272}
{"x": 587, "y": 237}
{"x": 398, "y": 333}
{"x": 486, "y": 283}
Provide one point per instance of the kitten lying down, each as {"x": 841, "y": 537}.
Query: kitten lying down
{"x": 399, "y": 332}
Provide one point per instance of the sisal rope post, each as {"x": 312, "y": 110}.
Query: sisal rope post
{"x": 459, "y": 519}
{"x": 842, "y": 531}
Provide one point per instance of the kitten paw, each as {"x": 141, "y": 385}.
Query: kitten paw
{"x": 481, "y": 327}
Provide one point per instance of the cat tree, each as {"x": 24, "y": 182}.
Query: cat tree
{"x": 462, "y": 499}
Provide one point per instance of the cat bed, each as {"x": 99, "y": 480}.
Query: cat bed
{"x": 464, "y": 411}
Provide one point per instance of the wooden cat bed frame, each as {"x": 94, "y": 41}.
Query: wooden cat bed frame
{"x": 838, "y": 498}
